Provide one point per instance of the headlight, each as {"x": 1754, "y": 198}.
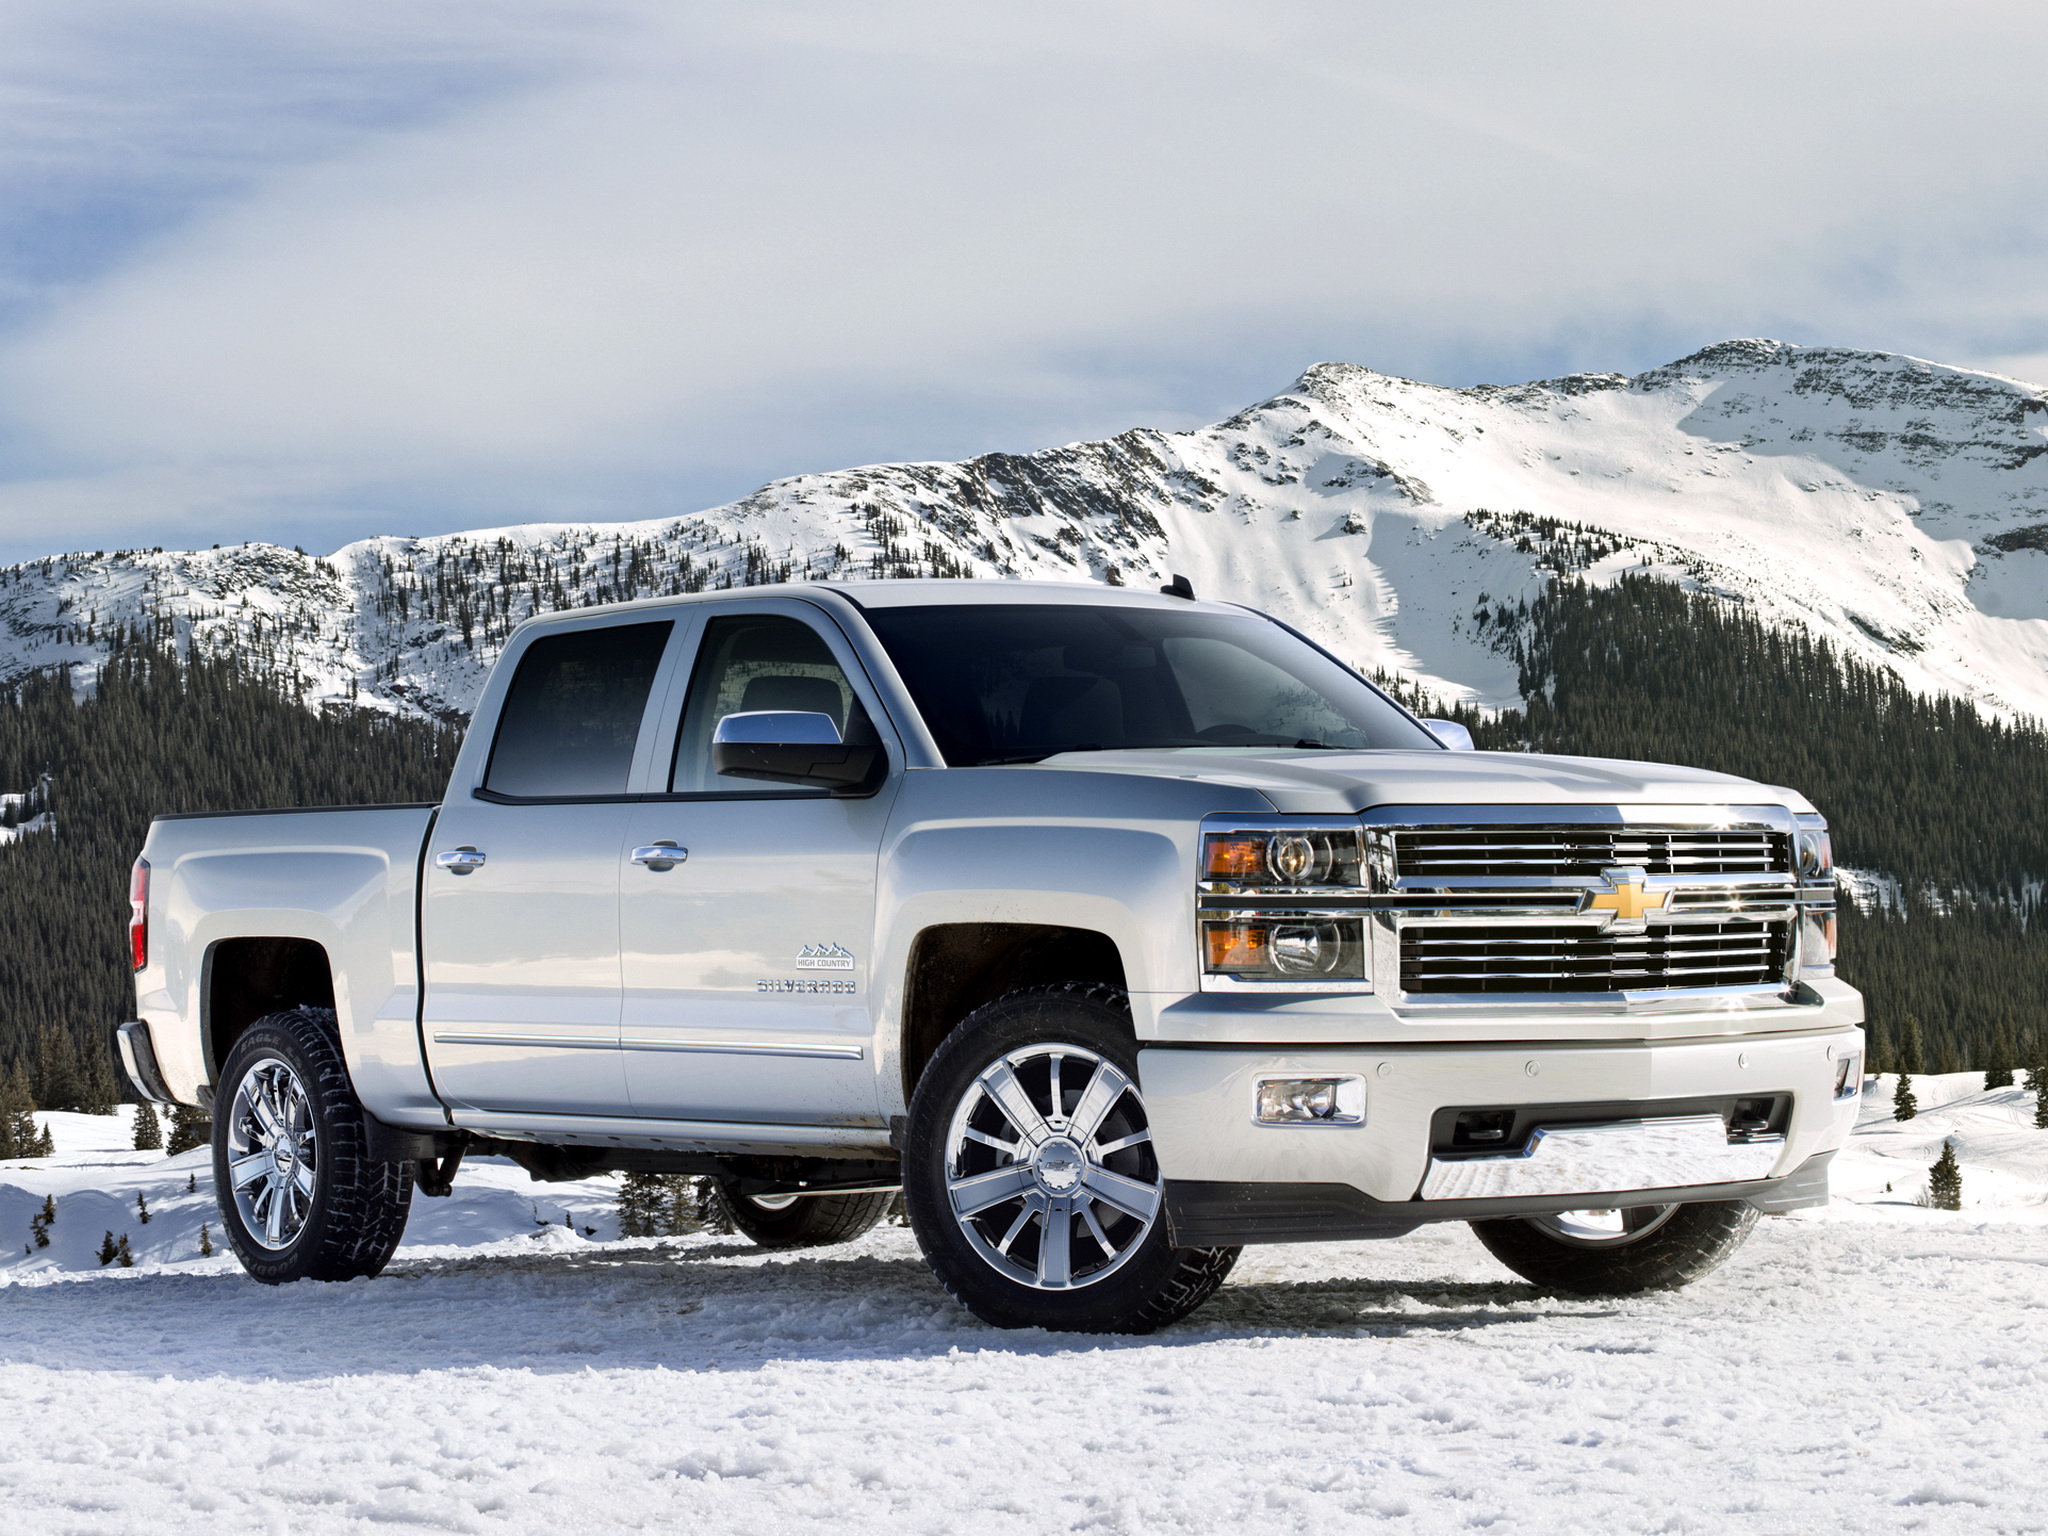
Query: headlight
{"x": 1814, "y": 859}
{"x": 1816, "y": 850}
{"x": 1284, "y": 948}
{"x": 1287, "y": 859}
{"x": 1279, "y": 905}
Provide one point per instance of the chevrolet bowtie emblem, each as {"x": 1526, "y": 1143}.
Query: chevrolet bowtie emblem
{"x": 1628, "y": 901}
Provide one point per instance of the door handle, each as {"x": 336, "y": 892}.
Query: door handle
{"x": 460, "y": 861}
{"x": 660, "y": 855}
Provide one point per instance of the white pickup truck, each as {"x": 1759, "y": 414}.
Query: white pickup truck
{"x": 1116, "y": 929}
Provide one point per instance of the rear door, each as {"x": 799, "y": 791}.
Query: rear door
{"x": 747, "y": 964}
{"x": 520, "y": 891}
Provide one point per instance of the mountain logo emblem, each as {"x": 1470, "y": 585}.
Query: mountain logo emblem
{"x": 824, "y": 957}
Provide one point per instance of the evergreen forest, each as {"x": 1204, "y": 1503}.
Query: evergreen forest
{"x": 154, "y": 734}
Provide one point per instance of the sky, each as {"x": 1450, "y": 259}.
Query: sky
{"x": 287, "y": 270}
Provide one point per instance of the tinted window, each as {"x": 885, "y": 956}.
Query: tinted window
{"x": 572, "y": 715}
{"x": 759, "y": 661}
{"x": 1000, "y": 683}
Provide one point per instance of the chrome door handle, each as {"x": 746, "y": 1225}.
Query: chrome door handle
{"x": 660, "y": 855}
{"x": 460, "y": 861}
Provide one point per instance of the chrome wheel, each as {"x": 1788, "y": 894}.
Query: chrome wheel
{"x": 1050, "y": 1171}
{"x": 1604, "y": 1228}
{"x": 272, "y": 1155}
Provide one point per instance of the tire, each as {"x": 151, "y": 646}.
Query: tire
{"x": 1045, "y": 1248}
{"x": 1658, "y": 1249}
{"x": 324, "y": 1209}
{"x": 801, "y": 1221}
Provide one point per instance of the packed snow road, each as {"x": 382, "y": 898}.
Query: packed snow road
{"x": 1874, "y": 1367}
{"x": 1846, "y": 1375}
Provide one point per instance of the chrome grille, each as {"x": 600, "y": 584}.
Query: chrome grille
{"x": 1479, "y": 853}
{"x": 1450, "y": 959}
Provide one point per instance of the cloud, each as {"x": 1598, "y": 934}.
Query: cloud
{"x": 621, "y": 260}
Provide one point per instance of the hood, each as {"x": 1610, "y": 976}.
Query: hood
{"x": 1325, "y": 782}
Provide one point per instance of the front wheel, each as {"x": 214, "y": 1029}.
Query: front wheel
{"x": 1619, "y": 1252}
{"x": 300, "y": 1196}
{"x": 1030, "y": 1176}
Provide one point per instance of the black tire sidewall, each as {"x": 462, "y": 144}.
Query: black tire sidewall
{"x": 359, "y": 1206}
{"x": 1128, "y": 1301}
{"x": 813, "y": 1221}
{"x": 1697, "y": 1240}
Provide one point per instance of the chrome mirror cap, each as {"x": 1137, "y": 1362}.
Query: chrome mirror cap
{"x": 761, "y": 727}
{"x": 1451, "y": 734}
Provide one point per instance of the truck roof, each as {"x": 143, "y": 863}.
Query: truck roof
{"x": 922, "y": 592}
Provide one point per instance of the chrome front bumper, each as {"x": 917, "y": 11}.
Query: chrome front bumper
{"x": 1608, "y": 1159}
{"x": 1652, "y": 1132}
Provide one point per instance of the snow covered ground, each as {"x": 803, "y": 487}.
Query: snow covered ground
{"x": 1874, "y": 1367}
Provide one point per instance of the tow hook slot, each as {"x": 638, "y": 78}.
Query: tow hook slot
{"x": 1482, "y": 1127}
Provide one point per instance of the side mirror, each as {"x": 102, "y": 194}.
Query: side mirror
{"x": 785, "y": 746}
{"x": 1451, "y": 734}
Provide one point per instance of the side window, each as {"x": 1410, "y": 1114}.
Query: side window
{"x": 752, "y": 662}
{"x": 572, "y": 715}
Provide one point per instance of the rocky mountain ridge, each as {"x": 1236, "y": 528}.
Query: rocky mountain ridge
{"x": 1897, "y": 507}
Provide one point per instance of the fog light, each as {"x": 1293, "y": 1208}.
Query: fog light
{"x": 1310, "y": 1101}
{"x": 1849, "y": 1076}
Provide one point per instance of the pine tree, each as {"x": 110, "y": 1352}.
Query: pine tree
{"x": 659, "y": 1205}
{"x": 108, "y": 1252}
{"x": 191, "y": 1183}
{"x": 1904, "y": 1105}
{"x": 190, "y": 1129}
{"x": 639, "y": 1204}
{"x": 205, "y": 1242}
{"x": 1912, "y": 1054}
{"x": 18, "y": 1134}
{"x": 142, "y": 1207}
{"x": 1945, "y": 1181}
{"x": 122, "y": 1254}
{"x": 40, "y": 1223}
{"x": 149, "y": 1131}
{"x": 2004, "y": 1054}
{"x": 2037, "y": 1077}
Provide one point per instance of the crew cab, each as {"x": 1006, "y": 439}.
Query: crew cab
{"x": 1117, "y": 929}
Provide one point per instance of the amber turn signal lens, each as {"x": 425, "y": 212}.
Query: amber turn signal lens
{"x": 1235, "y": 858}
{"x": 1236, "y": 948}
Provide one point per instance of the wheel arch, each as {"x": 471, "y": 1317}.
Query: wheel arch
{"x": 954, "y": 968}
{"x": 248, "y": 978}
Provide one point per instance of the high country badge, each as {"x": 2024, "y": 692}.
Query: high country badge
{"x": 824, "y": 957}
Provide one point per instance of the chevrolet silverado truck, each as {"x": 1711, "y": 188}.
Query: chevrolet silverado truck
{"x": 1115, "y": 929}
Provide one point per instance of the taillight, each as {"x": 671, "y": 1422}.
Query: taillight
{"x": 138, "y": 913}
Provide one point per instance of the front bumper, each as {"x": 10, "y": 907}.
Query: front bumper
{"x": 1370, "y": 1177}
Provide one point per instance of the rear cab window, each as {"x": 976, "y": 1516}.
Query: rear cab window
{"x": 571, "y": 718}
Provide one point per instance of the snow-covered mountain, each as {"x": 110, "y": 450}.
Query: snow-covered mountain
{"x": 1897, "y": 506}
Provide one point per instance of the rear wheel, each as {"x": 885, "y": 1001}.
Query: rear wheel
{"x": 300, "y": 1196}
{"x": 1619, "y": 1252}
{"x": 1030, "y": 1175}
{"x": 801, "y": 1221}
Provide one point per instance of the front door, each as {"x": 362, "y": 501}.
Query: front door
{"x": 747, "y": 964}
{"x": 520, "y": 899}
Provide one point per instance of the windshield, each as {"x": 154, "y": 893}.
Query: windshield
{"x": 1001, "y": 683}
